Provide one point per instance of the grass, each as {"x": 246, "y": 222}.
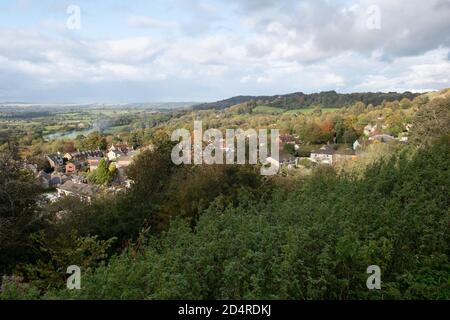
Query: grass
{"x": 309, "y": 110}
{"x": 267, "y": 110}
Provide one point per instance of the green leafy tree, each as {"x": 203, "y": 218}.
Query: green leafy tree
{"x": 104, "y": 174}
{"x": 19, "y": 213}
{"x": 58, "y": 253}
{"x": 94, "y": 141}
{"x": 431, "y": 121}
{"x": 289, "y": 148}
{"x": 349, "y": 136}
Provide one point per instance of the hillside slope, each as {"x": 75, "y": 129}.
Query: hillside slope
{"x": 299, "y": 100}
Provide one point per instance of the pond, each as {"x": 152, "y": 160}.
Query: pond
{"x": 72, "y": 134}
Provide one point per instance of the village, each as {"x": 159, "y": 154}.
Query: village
{"x": 332, "y": 154}
{"x": 71, "y": 173}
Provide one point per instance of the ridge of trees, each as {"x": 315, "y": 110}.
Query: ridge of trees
{"x": 300, "y": 100}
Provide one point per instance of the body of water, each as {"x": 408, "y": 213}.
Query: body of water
{"x": 68, "y": 134}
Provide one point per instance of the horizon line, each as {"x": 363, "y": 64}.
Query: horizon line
{"x": 210, "y": 101}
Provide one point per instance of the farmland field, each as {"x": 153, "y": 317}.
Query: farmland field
{"x": 310, "y": 110}
{"x": 267, "y": 110}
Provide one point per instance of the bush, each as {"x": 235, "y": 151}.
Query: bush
{"x": 315, "y": 243}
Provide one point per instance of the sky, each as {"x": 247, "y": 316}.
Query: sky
{"x": 116, "y": 51}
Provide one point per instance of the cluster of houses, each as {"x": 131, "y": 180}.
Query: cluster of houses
{"x": 122, "y": 155}
{"x": 373, "y": 134}
{"x": 327, "y": 154}
{"x": 71, "y": 162}
{"x": 68, "y": 175}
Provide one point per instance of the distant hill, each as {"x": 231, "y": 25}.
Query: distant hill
{"x": 299, "y": 100}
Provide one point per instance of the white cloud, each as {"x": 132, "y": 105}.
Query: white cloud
{"x": 147, "y": 22}
{"x": 407, "y": 27}
{"x": 132, "y": 50}
{"x": 334, "y": 79}
{"x": 245, "y": 79}
{"x": 420, "y": 73}
{"x": 263, "y": 79}
{"x": 265, "y": 47}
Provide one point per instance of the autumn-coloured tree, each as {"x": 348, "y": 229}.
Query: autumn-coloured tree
{"x": 69, "y": 146}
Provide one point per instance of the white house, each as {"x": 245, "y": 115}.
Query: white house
{"x": 324, "y": 155}
{"x": 114, "y": 155}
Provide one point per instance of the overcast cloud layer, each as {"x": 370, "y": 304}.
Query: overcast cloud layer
{"x": 186, "y": 50}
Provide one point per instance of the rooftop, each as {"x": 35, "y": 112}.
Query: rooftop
{"x": 326, "y": 149}
{"x": 79, "y": 188}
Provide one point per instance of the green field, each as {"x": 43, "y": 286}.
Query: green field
{"x": 310, "y": 110}
{"x": 267, "y": 110}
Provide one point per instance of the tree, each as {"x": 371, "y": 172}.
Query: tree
{"x": 135, "y": 139}
{"x": 95, "y": 140}
{"x": 19, "y": 214}
{"x": 150, "y": 173}
{"x": 395, "y": 124}
{"x": 80, "y": 142}
{"x": 192, "y": 189}
{"x": 69, "y": 146}
{"x": 104, "y": 173}
{"x": 358, "y": 108}
{"x": 405, "y": 103}
{"x": 56, "y": 145}
{"x": 57, "y": 253}
{"x": 327, "y": 130}
{"x": 349, "y": 136}
{"x": 312, "y": 133}
{"x": 289, "y": 148}
{"x": 431, "y": 121}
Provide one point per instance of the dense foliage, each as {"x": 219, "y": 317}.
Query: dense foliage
{"x": 19, "y": 215}
{"x": 104, "y": 174}
{"x": 314, "y": 243}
